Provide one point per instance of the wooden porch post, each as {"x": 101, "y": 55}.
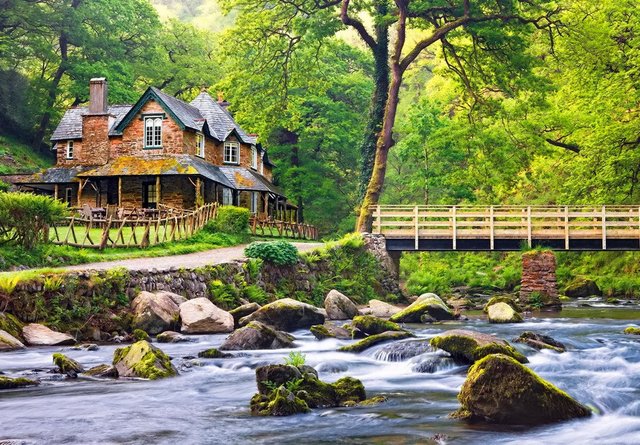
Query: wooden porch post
{"x": 119, "y": 191}
{"x": 198, "y": 194}
{"x": 55, "y": 191}
{"x": 80, "y": 187}
{"x": 266, "y": 204}
{"x": 157, "y": 190}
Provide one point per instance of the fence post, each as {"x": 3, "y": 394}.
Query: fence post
{"x": 416, "y": 227}
{"x": 455, "y": 228}
{"x": 379, "y": 218}
{"x": 566, "y": 227}
{"x": 529, "y": 226}
{"x": 491, "y": 227}
{"x": 105, "y": 234}
{"x": 604, "y": 228}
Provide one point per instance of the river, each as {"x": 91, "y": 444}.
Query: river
{"x": 209, "y": 402}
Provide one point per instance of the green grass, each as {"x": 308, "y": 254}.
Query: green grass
{"x": 17, "y": 157}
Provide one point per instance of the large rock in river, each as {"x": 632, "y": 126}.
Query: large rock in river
{"x": 39, "y": 335}
{"x": 382, "y": 309}
{"x": 18, "y": 382}
{"x": 201, "y": 316}
{"x": 364, "y": 325}
{"x": 8, "y": 342}
{"x": 257, "y": 335}
{"x": 144, "y": 360}
{"x": 339, "y": 306}
{"x": 67, "y": 365}
{"x": 154, "y": 313}
{"x": 503, "y": 313}
{"x": 373, "y": 340}
{"x": 428, "y": 307}
{"x": 499, "y": 389}
{"x": 286, "y": 315}
{"x": 582, "y": 287}
{"x": 10, "y": 324}
{"x": 540, "y": 341}
{"x": 328, "y": 330}
{"x": 243, "y": 311}
{"x": 470, "y": 346}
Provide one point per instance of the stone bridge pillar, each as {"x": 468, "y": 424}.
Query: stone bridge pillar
{"x": 377, "y": 245}
{"x": 538, "y": 285}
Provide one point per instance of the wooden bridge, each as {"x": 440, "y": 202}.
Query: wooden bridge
{"x": 508, "y": 227}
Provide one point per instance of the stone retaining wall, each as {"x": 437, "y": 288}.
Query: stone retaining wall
{"x": 539, "y": 278}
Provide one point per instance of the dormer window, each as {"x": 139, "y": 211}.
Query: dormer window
{"x": 69, "y": 149}
{"x": 153, "y": 132}
{"x": 254, "y": 157}
{"x": 200, "y": 144}
{"x": 231, "y": 153}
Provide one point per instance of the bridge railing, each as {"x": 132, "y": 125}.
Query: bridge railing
{"x": 524, "y": 223}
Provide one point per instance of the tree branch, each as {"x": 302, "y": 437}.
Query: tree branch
{"x": 357, "y": 25}
{"x": 556, "y": 143}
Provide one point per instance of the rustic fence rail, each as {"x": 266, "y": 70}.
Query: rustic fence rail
{"x": 286, "y": 229}
{"x": 131, "y": 231}
{"x": 526, "y": 223}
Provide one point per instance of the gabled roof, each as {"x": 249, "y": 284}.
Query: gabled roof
{"x": 245, "y": 179}
{"x": 54, "y": 175}
{"x": 70, "y": 126}
{"x": 221, "y": 123}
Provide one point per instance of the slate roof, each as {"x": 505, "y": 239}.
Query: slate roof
{"x": 70, "y": 126}
{"x": 161, "y": 166}
{"x": 187, "y": 113}
{"x": 54, "y": 175}
{"x": 246, "y": 179}
{"x": 221, "y": 123}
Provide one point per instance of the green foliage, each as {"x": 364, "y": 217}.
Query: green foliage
{"x": 230, "y": 219}
{"x": 223, "y": 295}
{"x": 255, "y": 294}
{"x": 17, "y": 157}
{"x": 280, "y": 253}
{"x": 25, "y": 218}
{"x": 295, "y": 358}
{"x": 536, "y": 300}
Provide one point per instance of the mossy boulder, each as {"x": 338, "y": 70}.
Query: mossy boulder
{"x": 143, "y": 360}
{"x": 382, "y": 309}
{"x": 373, "y": 340}
{"x": 286, "y": 315}
{"x": 271, "y": 376}
{"x": 281, "y": 402}
{"x": 503, "y": 313}
{"x": 10, "y": 324}
{"x": 172, "y": 337}
{"x": 502, "y": 299}
{"x": 322, "y": 331}
{"x": 540, "y": 341}
{"x": 581, "y": 287}
{"x": 18, "y": 382}
{"x": 428, "y": 307}
{"x": 339, "y": 306}
{"x": 213, "y": 353}
{"x": 364, "y": 325}
{"x": 8, "y": 342}
{"x": 632, "y": 330}
{"x": 139, "y": 334}
{"x": 470, "y": 346}
{"x": 349, "y": 390}
{"x": 256, "y": 335}
{"x": 102, "y": 371}
{"x": 498, "y": 389}
{"x": 67, "y": 365}
{"x": 243, "y": 311}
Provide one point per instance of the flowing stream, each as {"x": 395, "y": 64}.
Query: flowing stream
{"x": 209, "y": 402}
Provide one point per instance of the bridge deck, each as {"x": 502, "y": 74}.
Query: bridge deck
{"x": 508, "y": 227}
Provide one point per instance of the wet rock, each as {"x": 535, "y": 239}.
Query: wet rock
{"x": 102, "y": 371}
{"x": 154, "y": 313}
{"x": 172, "y": 337}
{"x": 139, "y": 334}
{"x": 8, "y": 342}
{"x": 332, "y": 367}
{"x": 403, "y": 350}
{"x": 364, "y": 325}
{"x": 19, "y": 382}
{"x": 470, "y": 346}
{"x": 213, "y": 353}
{"x": 432, "y": 364}
{"x": 281, "y": 402}
{"x": 502, "y": 299}
{"x": 256, "y": 335}
{"x": 201, "y": 316}
{"x": 328, "y": 330}
{"x": 86, "y": 347}
{"x": 67, "y": 365}
{"x": 275, "y": 375}
{"x": 540, "y": 341}
{"x": 632, "y": 330}
{"x": 582, "y": 287}
{"x": 339, "y": 306}
{"x": 349, "y": 391}
{"x": 429, "y": 305}
{"x": 39, "y": 335}
{"x": 499, "y": 389}
{"x": 382, "y": 309}
{"x": 11, "y": 325}
{"x": 286, "y": 315}
{"x": 503, "y": 313}
{"x": 373, "y": 340}
{"x": 243, "y": 311}
{"x": 143, "y": 360}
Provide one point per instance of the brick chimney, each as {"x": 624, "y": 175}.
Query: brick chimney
{"x": 95, "y": 125}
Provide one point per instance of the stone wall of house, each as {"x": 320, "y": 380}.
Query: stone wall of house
{"x": 539, "y": 279}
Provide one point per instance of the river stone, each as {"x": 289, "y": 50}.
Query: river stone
{"x": 328, "y": 330}
{"x": 286, "y": 315}
{"x": 39, "y": 335}
{"x": 382, "y": 309}
{"x": 427, "y": 307}
{"x": 177, "y": 299}
{"x": 339, "y": 306}
{"x": 540, "y": 341}
{"x": 213, "y": 353}
{"x": 8, "y": 342}
{"x": 632, "y": 330}
{"x": 67, "y": 365}
{"x": 243, "y": 311}
{"x": 470, "y": 346}
{"x": 154, "y": 313}
{"x": 582, "y": 287}
{"x": 503, "y": 313}
{"x": 257, "y": 335}
{"x": 280, "y": 402}
{"x": 502, "y": 299}
{"x": 103, "y": 371}
{"x": 18, "y": 382}
{"x": 373, "y": 340}
{"x": 364, "y": 325}
{"x": 171, "y": 337}
{"x": 401, "y": 351}
{"x": 143, "y": 360}
{"x": 275, "y": 374}
{"x": 11, "y": 325}
{"x": 201, "y": 316}
{"x": 498, "y": 389}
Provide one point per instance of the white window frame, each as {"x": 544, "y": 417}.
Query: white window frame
{"x": 227, "y": 197}
{"x": 254, "y": 202}
{"x": 68, "y": 195}
{"x": 200, "y": 144}
{"x": 254, "y": 157}
{"x": 231, "y": 148}
{"x": 69, "y": 153}
{"x": 152, "y": 135}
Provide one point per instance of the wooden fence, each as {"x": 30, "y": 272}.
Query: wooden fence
{"x": 133, "y": 230}
{"x": 526, "y": 223}
{"x": 283, "y": 229}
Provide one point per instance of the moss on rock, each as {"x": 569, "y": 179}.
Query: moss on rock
{"x": 286, "y": 315}
{"x": 540, "y": 341}
{"x": 67, "y": 365}
{"x": 501, "y": 390}
{"x": 502, "y": 299}
{"x": 503, "y": 313}
{"x": 282, "y": 402}
{"x": 104, "y": 371}
{"x": 426, "y": 307}
{"x": 632, "y": 330}
{"x": 471, "y": 346}
{"x": 10, "y": 324}
{"x": 349, "y": 390}
{"x": 140, "y": 334}
{"x": 144, "y": 360}
{"x": 369, "y": 325}
{"x": 373, "y": 340}
{"x": 213, "y": 353}
{"x": 19, "y": 382}
{"x": 257, "y": 335}
{"x": 322, "y": 331}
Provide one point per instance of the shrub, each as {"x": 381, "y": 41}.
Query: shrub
{"x": 280, "y": 253}
{"x": 230, "y": 219}
{"x": 25, "y": 218}
{"x": 295, "y": 359}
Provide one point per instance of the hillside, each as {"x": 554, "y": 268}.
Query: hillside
{"x": 17, "y": 157}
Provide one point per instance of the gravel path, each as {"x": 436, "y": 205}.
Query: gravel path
{"x": 188, "y": 261}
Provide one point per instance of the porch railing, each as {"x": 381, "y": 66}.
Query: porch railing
{"x": 287, "y": 229}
